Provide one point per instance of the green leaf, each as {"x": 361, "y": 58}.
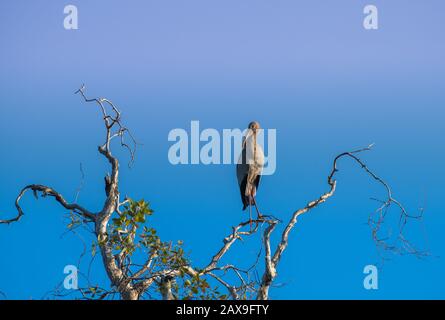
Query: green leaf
{"x": 93, "y": 249}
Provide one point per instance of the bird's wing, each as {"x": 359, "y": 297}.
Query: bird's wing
{"x": 242, "y": 168}
{"x": 257, "y": 181}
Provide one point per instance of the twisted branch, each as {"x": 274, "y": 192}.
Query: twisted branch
{"x": 48, "y": 192}
{"x": 271, "y": 261}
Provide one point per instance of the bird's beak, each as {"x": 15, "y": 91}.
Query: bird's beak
{"x": 248, "y": 134}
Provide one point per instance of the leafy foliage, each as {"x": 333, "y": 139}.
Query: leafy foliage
{"x": 130, "y": 234}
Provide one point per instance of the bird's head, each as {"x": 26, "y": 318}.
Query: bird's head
{"x": 254, "y": 126}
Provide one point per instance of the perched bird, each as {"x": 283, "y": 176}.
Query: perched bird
{"x": 107, "y": 179}
{"x": 249, "y": 167}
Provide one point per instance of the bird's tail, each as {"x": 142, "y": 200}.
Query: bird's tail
{"x": 247, "y": 201}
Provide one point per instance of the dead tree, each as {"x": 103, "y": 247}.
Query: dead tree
{"x": 166, "y": 266}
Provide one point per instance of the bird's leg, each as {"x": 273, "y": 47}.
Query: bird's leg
{"x": 260, "y": 216}
{"x": 250, "y": 214}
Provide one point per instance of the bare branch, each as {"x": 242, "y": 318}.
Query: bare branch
{"x": 271, "y": 263}
{"x": 112, "y": 122}
{"x": 229, "y": 240}
{"x": 232, "y": 290}
{"x": 48, "y": 192}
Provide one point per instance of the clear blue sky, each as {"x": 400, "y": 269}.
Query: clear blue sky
{"x": 306, "y": 68}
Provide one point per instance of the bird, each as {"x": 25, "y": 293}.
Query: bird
{"x": 107, "y": 179}
{"x": 249, "y": 167}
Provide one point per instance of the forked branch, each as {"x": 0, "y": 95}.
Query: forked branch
{"x": 272, "y": 259}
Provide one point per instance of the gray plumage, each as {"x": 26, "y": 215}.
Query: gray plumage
{"x": 250, "y": 165}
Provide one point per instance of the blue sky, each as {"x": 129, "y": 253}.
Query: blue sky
{"x": 306, "y": 68}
